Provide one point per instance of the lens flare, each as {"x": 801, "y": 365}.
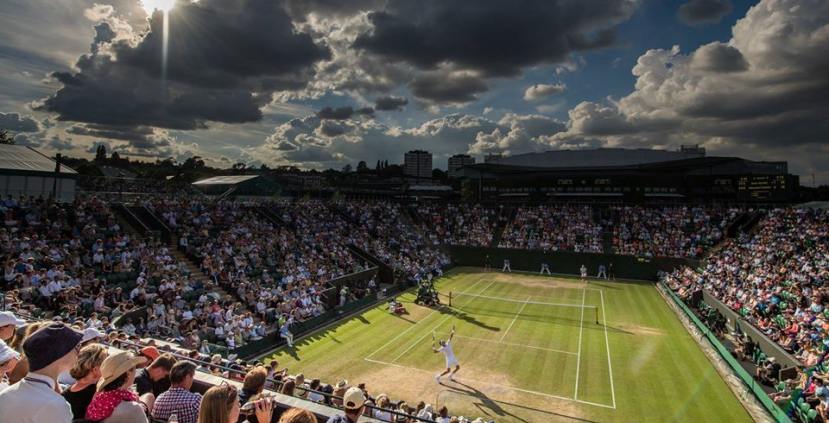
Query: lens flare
{"x": 152, "y": 5}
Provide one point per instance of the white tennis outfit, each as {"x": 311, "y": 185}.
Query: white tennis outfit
{"x": 451, "y": 361}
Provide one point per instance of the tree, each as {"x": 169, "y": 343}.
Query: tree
{"x": 347, "y": 168}
{"x": 469, "y": 190}
{"x": 115, "y": 156}
{"x": 362, "y": 167}
{"x": 100, "y": 154}
{"x": 5, "y": 137}
{"x": 378, "y": 165}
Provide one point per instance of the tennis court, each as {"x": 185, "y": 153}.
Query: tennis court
{"x": 531, "y": 348}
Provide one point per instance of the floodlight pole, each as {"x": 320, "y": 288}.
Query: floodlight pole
{"x": 57, "y": 175}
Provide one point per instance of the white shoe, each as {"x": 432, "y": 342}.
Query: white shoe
{"x": 437, "y": 378}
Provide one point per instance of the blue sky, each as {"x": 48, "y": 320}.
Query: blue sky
{"x": 250, "y": 81}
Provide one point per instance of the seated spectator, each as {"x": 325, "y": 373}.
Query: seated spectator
{"x": 254, "y": 384}
{"x": 155, "y": 378}
{"x": 178, "y": 399}
{"x": 220, "y": 404}
{"x": 353, "y": 406}
{"x": 50, "y": 351}
{"x": 87, "y": 373}
{"x": 8, "y": 360}
{"x": 115, "y": 402}
{"x": 297, "y": 415}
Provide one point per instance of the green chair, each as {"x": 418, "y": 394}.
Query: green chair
{"x": 811, "y": 415}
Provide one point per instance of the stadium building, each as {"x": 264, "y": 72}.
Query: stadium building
{"x": 630, "y": 175}
{"x": 28, "y": 173}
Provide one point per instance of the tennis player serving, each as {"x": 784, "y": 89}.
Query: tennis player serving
{"x": 446, "y": 349}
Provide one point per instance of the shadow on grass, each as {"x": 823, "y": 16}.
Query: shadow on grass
{"x": 460, "y": 314}
{"x": 493, "y": 406}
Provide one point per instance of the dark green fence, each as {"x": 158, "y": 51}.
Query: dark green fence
{"x": 273, "y": 340}
{"x": 748, "y": 381}
{"x": 624, "y": 267}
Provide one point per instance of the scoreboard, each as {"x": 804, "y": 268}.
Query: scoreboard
{"x": 765, "y": 187}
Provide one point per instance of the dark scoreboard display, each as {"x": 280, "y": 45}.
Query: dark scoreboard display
{"x": 763, "y": 187}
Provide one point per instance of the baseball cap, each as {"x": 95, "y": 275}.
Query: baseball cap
{"x": 353, "y": 398}
{"x": 90, "y": 334}
{"x": 8, "y": 318}
{"x": 150, "y": 352}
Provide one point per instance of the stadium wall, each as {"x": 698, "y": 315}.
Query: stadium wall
{"x": 734, "y": 320}
{"x": 745, "y": 379}
{"x": 565, "y": 262}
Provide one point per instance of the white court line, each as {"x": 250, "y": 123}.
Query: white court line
{"x": 412, "y": 326}
{"x": 516, "y": 318}
{"x": 607, "y": 343}
{"x": 512, "y": 300}
{"x": 449, "y": 316}
{"x": 581, "y": 329}
{"x": 497, "y": 385}
{"x": 509, "y": 343}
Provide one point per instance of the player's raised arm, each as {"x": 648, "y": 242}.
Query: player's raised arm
{"x": 452, "y": 334}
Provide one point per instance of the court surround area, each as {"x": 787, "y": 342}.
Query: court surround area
{"x": 531, "y": 349}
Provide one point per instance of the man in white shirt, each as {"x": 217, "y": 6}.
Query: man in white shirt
{"x": 50, "y": 351}
{"x": 451, "y": 360}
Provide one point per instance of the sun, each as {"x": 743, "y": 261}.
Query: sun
{"x": 152, "y": 5}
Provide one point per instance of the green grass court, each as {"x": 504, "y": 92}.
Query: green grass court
{"x": 530, "y": 351}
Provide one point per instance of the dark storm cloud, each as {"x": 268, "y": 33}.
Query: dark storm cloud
{"x": 298, "y": 9}
{"x": 390, "y": 103}
{"x": 225, "y": 59}
{"x": 719, "y": 57}
{"x": 699, "y": 12}
{"x": 331, "y": 128}
{"x": 14, "y": 122}
{"x": 140, "y": 137}
{"x": 494, "y": 37}
{"x": 443, "y": 87}
{"x": 343, "y": 113}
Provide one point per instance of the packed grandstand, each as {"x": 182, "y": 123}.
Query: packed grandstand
{"x": 232, "y": 272}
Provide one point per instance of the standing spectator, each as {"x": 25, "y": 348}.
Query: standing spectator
{"x": 178, "y": 399}
{"x": 87, "y": 373}
{"x": 50, "y": 351}
{"x": 583, "y": 271}
{"x": 610, "y": 272}
{"x": 353, "y": 405}
{"x": 115, "y": 402}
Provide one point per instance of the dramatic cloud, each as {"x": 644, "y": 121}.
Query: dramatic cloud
{"x": 699, "y": 12}
{"x": 342, "y": 113}
{"x": 539, "y": 91}
{"x": 763, "y": 90}
{"x": 390, "y": 103}
{"x": 453, "y": 87}
{"x": 226, "y": 58}
{"x": 518, "y": 134}
{"x": 14, "y": 122}
{"x": 139, "y": 137}
{"x": 336, "y": 143}
{"x": 493, "y": 37}
{"x": 718, "y": 57}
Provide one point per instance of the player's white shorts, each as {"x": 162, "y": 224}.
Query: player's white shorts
{"x": 452, "y": 362}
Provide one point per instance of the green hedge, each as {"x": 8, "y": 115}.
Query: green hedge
{"x": 776, "y": 412}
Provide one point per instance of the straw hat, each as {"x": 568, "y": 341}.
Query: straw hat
{"x": 116, "y": 365}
